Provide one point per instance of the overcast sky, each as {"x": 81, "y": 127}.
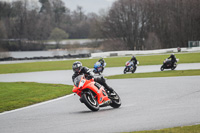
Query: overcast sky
{"x": 88, "y": 5}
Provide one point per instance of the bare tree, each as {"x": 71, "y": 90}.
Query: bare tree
{"x": 126, "y": 21}
{"x": 3, "y": 34}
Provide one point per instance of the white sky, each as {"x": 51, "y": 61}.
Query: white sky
{"x": 88, "y": 5}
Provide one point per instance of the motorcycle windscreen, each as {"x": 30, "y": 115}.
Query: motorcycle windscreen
{"x": 77, "y": 80}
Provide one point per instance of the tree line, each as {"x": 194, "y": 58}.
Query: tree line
{"x": 23, "y": 19}
{"x": 128, "y": 24}
{"x": 153, "y": 24}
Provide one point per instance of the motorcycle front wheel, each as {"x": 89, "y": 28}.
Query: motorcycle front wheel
{"x": 162, "y": 68}
{"x": 89, "y": 100}
{"x": 124, "y": 70}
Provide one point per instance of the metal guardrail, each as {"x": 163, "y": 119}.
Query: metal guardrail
{"x": 48, "y": 57}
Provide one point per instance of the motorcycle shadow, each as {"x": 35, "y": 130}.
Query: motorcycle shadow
{"x": 100, "y": 110}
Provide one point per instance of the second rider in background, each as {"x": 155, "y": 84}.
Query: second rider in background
{"x": 134, "y": 60}
{"x": 102, "y": 61}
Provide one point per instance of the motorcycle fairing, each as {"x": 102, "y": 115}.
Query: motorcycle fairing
{"x": 97, "y": 67}
{"x": 84, "y": 84}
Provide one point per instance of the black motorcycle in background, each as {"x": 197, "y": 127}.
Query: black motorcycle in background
{"x": 167, "y": 64}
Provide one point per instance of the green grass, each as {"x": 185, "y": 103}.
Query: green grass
{"x": 157, "y": 74}
{"x": 185, "y": 129}
{"x": 20, "y": 94}
{"x": 42, "y": 66}
{"x": 153, "y": 59}
{"x": 111, "y": 62}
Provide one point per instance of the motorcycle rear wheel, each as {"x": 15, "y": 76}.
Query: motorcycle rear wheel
{"x": 162, "y": 68}
{"x": 89, "y": 100}
{"x": 116, "y": 100}
{"x": 173, "y": 67}
{"x": 134, "y": 69}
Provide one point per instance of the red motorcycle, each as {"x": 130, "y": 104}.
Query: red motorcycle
{"x": 93, "y": 95}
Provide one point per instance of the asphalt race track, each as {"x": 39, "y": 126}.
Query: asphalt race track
{"x": 147, "y": 103}
{"x": 64, "y": 76}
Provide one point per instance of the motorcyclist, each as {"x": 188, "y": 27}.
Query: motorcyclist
{"x": 80, "y": 70}
{"x": 173, "y": 58}
{"x": 102, "y": 61}
{"x": 134, "y": 60}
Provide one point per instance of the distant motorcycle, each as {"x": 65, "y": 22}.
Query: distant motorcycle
{"x": 130, "y": 67}
{"x": 98, "y": 68}
{"x": 93, "y": 95}
{"x": 167, "y": 64}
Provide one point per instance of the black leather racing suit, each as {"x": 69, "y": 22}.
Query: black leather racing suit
{"x": 173, "y": 59}
{"x": 86, "y": 71}
{"x": 134, "y": 60}
{"x": 102, "y": 63}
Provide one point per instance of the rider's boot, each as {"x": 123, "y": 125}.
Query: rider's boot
{"x": 112, "y": 93}
{"x": 102, "y": 68}
{"x": 102, "y": 81}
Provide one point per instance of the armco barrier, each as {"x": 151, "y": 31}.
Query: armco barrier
{"x": 142, "y": 52}
{"x": 47, "y": 57}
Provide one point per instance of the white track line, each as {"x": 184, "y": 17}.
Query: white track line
{"x": 35, "y": 105}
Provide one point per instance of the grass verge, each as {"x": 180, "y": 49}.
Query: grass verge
{"x": 157, "y": 74}
{"x": 111, "y": 62}
{"x": 184, "y": 129}
{"x": 20, "y": 94}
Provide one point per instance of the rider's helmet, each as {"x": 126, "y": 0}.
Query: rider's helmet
{"x": 101, "y": 59}
{"x": 172, "y": 55}
{"x": 133, "y": 57}
{"x": 77, "y": 66}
